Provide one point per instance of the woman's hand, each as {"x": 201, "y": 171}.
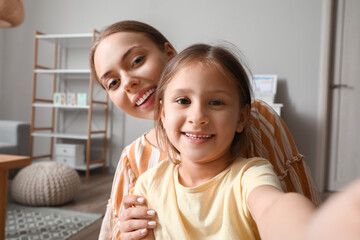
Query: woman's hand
{"x": 136, "y": 222}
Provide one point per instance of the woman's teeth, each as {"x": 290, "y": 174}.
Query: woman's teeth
{"x": 145, "y": 96}
{"x": 197, "y": 137}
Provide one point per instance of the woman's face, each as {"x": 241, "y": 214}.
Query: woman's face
{"x": 129, "y": 66}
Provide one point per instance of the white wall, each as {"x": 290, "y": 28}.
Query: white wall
{"x": 278, "y": 37}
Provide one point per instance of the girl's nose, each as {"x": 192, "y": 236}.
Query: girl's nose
{"x": 198, "y": 116}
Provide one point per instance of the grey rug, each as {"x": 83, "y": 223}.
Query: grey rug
{"x": 38, "y": 223}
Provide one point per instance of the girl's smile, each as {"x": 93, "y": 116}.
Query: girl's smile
{"x": 197, "y": 138}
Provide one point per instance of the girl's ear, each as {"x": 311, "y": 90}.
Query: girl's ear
{"x": 169, "y": 50}
{"x": 243, "y": 118}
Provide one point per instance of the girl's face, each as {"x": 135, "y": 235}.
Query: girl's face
{"x": 201, "y": 113}
{"x": 129, "y": 66}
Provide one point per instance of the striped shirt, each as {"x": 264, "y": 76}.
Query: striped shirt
{"x": 269, "y": 138}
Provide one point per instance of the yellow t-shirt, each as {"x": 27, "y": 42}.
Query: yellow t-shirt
{"x": 216, "y": 209}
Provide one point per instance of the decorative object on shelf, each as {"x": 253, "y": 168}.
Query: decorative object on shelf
{"x": 11, "y": 13}
{"x": 71, "y": 99}
{"x": 81, "y": 99}
{"x": 45, "y": 184}
{"x": 57, "y": 98}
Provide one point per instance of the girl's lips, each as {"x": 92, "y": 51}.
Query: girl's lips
{"x": 198, "y": 136}
{"x": 143, "y": 95}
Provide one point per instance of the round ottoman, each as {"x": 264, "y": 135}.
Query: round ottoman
{"x": 45, "y": 184}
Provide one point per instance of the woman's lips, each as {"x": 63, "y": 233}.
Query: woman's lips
{"x": 145, "y": 96}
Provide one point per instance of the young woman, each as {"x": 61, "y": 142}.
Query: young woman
{"x": 127, "y": 59}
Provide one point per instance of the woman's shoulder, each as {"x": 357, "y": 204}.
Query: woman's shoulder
{"x": 140, "y": 144}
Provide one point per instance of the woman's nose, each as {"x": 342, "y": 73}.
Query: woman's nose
{"x": 129, "y": 83}
{"x": 198, "y": 115}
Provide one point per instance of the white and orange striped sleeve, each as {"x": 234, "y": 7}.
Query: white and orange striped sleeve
{"x": 270, "y": 138}
{"x": 124, "y": 175}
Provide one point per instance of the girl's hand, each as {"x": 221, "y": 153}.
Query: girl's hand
{"x": 339, "y": 216}
{"x": 136, "y": 222}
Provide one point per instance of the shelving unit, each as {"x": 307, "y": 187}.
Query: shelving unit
{"x": 59, "y": 77}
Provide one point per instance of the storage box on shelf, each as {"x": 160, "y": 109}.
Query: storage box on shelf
{"x": 65, "y": 93}
{"x": 70, "y": 154}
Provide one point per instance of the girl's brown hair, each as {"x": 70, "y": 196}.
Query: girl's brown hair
{"x": 215, "y": 57}
{"x": 127, "y": 26}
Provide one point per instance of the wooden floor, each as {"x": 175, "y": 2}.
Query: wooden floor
{"x": 92, "y": 197}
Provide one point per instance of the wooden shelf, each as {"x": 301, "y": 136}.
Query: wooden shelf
{"x": 91, "y": 166}
{"x": 49, "y": 105}
{"x": 65, "y": 135}
{"x": 68, "y": 40}
{"x": 66, "y": 73}
{"x": 66, "y": 49}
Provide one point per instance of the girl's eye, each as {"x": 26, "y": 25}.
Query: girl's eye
{"x": 216, "y": 103}
{"x": 113, "y": 83}
{"x": 138, "y": 60}
{"x": 183, "y": 101}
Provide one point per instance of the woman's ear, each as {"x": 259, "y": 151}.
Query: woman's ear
{"x": 243, "y": 118}
{"x": 169, "y": 50}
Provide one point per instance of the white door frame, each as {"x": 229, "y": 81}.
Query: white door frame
{"x": 325, "y": 79}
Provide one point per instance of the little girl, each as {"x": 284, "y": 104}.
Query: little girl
{"x": 213, "y": 193}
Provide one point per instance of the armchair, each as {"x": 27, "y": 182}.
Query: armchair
{"x": 14, "y": 139}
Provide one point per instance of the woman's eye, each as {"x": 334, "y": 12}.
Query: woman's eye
{"x": 113, "y": 83}
{"x": 183, "y": 101}
{"x": 138, "y": 60}
{"x": 216, "y": 103}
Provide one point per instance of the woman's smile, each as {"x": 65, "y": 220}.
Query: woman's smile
{"x": 142, "y": 98}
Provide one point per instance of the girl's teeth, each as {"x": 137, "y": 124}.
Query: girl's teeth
{"x": 193, "y": 136}
{"x": 145, "y": 96}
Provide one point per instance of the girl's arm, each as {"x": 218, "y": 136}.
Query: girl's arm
{"x": 281, "y": 215}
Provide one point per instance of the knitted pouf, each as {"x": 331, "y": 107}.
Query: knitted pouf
{"x": 45, "y": 184}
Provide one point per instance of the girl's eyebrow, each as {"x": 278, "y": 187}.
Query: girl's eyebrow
{"x": 180, "y": 91}
{"x": 127, "y": 53}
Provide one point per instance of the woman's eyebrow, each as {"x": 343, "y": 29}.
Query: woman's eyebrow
{"x": 127, "y": 53}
